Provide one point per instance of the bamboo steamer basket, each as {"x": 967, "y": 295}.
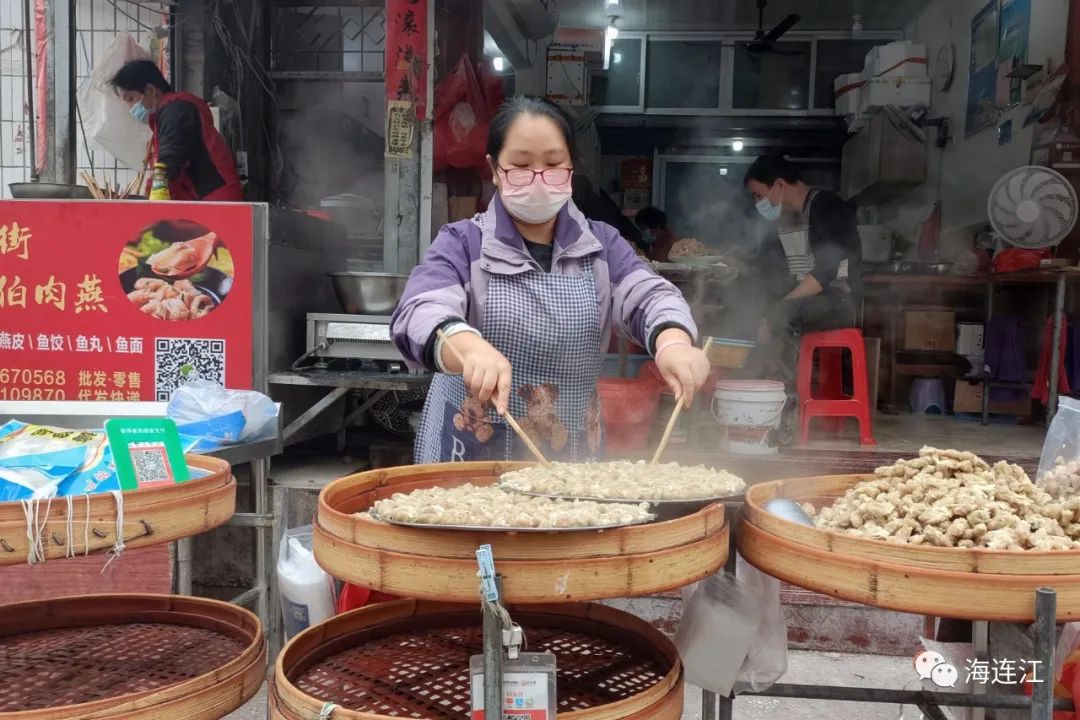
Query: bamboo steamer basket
{"x": 151, "y": 516}
{"x": 536, "y": 567}
{"x": 133, "y": 657}
{"x": 410, "y": 658}
{"x": 971, "y": 583}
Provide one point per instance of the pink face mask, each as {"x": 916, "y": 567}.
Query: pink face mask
{"x": 535, "y": 203}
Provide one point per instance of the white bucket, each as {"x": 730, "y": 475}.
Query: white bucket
{"x": 747, "y": 410}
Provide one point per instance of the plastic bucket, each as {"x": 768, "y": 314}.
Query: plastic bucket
{"x": 628, "y": 407}
{"x": 747, "y": 410}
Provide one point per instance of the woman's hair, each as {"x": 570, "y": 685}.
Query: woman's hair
{"x": 135, "y": 75}
{"x": 515, "y": 107}
{"x": 652, "y": 218}
{"x": 767, "y": 169}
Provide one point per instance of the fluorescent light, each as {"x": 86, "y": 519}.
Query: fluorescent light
{"x": 738, "y": 146}
{"x": 723, "y": 171}
{"x": 611, "y": 3}
{"x": 611, "y": 33}
{"x": 616, "y": 57}
{"x": 499, "y": 62}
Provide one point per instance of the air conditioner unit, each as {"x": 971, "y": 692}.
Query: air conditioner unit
{"x": 535, "y": 18}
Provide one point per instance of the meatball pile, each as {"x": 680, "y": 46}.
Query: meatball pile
{"x": 949, "y": 498}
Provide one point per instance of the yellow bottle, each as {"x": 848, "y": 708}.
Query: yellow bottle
{"x": 159, "y": 186}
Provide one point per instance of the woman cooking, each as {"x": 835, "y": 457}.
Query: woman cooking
{"x": 526, "y": 294}
{"x": 197, "y": 160}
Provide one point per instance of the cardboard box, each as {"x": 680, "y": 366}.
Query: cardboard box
{"x": 847, "y": 93}
{"x": 902, "y": 58}
{"x": 969, "y": 340}
{"x": 902, "y": 92}
{"x": 969, "y": 399}
{"x": 930, "y": 330}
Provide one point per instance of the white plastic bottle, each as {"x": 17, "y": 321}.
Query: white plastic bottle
{"x": 307, "y": 596}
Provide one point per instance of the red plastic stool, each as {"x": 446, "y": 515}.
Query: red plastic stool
{"x": 833, "y": 403}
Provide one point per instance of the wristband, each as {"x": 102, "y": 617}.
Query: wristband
{"x": 448, "y": 332}
{"x": 665, "y": 346}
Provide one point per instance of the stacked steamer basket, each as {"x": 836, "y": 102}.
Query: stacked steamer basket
{"x": 132, "y": 657}
{"x": 411, "y": 658}
{"x": 965, "y": 583}
{"x": 67, "y": 527}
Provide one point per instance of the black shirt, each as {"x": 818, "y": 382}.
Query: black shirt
{"x": 541, "y": 253}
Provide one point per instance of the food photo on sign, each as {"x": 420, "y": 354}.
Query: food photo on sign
{"x": 176, "y": 270}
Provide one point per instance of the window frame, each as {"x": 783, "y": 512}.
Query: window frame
{"x": 728, "y": 41}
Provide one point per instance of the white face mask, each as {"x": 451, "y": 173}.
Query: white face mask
{"x": 537, "y": 203}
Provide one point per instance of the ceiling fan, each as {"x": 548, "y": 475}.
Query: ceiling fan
{"x": 764, "y": 42}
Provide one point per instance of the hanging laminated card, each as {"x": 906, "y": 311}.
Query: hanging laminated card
{"x": 528, "y": 687}
{"x": 147, "y": 452}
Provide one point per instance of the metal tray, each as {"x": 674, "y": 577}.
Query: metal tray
{"x": 663, "y": 509}
{"x": 475, "y": 528}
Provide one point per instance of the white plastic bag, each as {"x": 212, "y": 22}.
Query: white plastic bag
{"x": 767, "y": 660}
{"x": 733, "y": 635}
{"x": 307, "y": 595}
{"x": 1059, "y": 466}
{"x": 201, "y": 400}
{"x": 106, "y": 118}
{"x": 715, "y": 633}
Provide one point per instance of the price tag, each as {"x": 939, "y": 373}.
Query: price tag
{"x": 528, "y": 687}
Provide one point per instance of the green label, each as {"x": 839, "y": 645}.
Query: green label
{"x": 147, "y": 452}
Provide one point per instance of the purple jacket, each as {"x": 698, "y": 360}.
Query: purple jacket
{"x": 452, "y": 281}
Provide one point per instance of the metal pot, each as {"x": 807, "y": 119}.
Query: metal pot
{"x": 366, "y": 293}
{"x": 48, "y": 191}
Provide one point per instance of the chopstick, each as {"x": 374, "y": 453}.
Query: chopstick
{"x": 506, "y": 415}
{"x": 95, "y": 189}
{"x": 675, "y": 415}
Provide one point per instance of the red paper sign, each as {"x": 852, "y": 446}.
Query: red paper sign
{"x": 406, "y": 52}
{"x": 93, "y": 307}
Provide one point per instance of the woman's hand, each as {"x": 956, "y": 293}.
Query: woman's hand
{"x": 684, "y": 367}
{"x": 485, "y": 371}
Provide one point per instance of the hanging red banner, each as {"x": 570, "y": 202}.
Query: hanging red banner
{"x": 406, "y": 52}
{"x": 111, "y": 301}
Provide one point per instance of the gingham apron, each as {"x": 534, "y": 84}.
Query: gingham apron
{"x": 548, "y": 327}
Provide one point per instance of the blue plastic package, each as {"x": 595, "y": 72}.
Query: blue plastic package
{"x": 97, "y": 474}
{"x": 213, "y": 433}
{"x": 35, "y": 460}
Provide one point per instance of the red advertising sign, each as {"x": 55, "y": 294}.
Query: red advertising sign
{"x": 123, "y": 300}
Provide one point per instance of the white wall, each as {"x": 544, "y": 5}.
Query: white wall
{"x": 970, "y": 166}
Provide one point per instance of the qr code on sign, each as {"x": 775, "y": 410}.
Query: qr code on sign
{"x": 151, "y": 464}
{"x": 180, "y": 360}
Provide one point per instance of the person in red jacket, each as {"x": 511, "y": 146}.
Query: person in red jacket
{"x": 197, "y": 159}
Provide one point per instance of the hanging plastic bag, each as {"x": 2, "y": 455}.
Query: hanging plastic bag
{"x": 741, "y": 615}
{"x": 1059, "y": 466}
{"x": 106, "y": 118}
{"x": 307, "y": 595}
{"x": 767, "y": 660}
{"x": 461, "y": 119}
{"x": 716, "y": 632}
{"x": 203, "y": 401}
